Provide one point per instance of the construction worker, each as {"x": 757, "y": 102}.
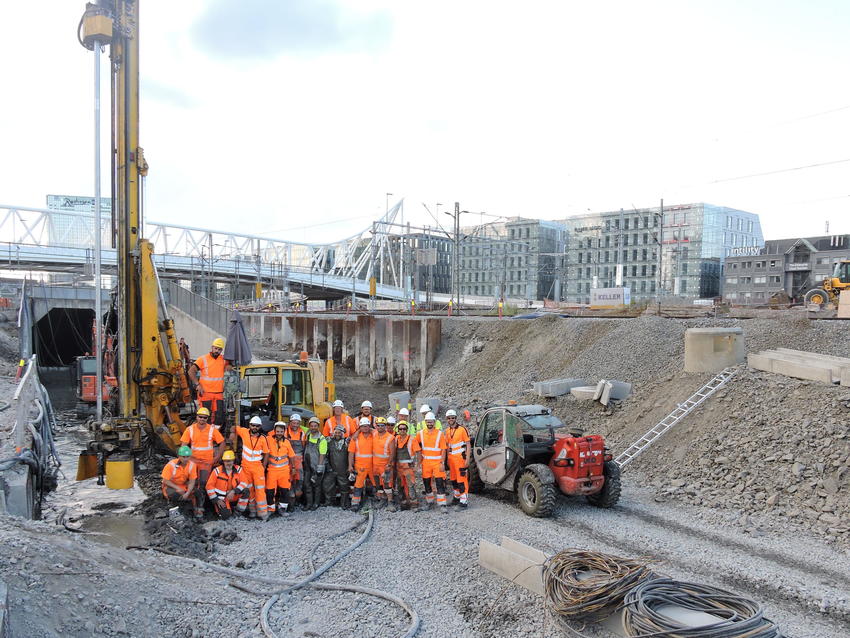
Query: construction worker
{"x": 425, "y": 409}
{"x": 339, "y": 417}
{"x": 295, "y": 434}
{"x": 207, "y": 444}
{"x": 430, "y": 443}
{"x": 227, "y": 485}
{"x": 391, "y": 423}
{"x": 405, "y": 460}
{"x": 336, "y": 469}
{"x": 281, "y": 458}
{"x": 360, "y": 460}
{"x": 457, "y": 438}
{"x": 255, "y": 450}
{"x": 315, "y": 451}
{"x": 210, "y": 384}
{"x": 179, "y": 477}
{"x": 383, "y": 459}
{"x": 403, "y": 415}
{"x": 366, "y": 413}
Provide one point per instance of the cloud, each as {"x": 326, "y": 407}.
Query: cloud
{"x": 252, "y": 29}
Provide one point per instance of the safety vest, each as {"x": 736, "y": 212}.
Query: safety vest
{"x": 457, "y": 445}
{"x": 203, "y": 442}
{"x": 314, "y": 448}
{"x": 279, "y": 452}
{"x": 296, "y": 439}
{"x": 438, "y": 425}
{"x": 220, "y": 482}
{"x": 381, "y": 447}
{"x": 212, "y": 373}
{"x": 362, "y": 448}
{"x": 344, "y": 420}
{"x": 179, "y": 474}
{"x": 253, "y": 447}
{"x": 431, "y": 451}
{"x": 405, "y": 449}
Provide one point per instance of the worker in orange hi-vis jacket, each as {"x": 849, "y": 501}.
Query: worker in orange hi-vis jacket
{"x": 208, "y": 373}
{"x": 458, "y": 458}
{"x": 255, "y": 450}
{"x": 227, "y": 485}
{"x": 339, "y": 417}
{"x": 383, "y": 459}
{"x": 360, "y": 460}
{"x": 405, "y": 459}
{"x": 430, "y": 444}
{"x": 207, "y": 444}
{"x": 280, "y": 461}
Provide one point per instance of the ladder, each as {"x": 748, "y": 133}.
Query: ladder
{"x": 681, "y": 411}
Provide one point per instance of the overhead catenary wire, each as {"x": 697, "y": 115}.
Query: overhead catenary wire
{"x": 737, "y": 617}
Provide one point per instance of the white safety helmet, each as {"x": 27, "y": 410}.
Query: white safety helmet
{"x": 425, "y": 408}
{"x": 391, "y": 420}
{"x": 450, "y": 413}
{"x": 255, "y": 420}
{"x": 404, "y": 412}
{"x": 430, "y": 417}
{"x": 366, "y": 404}
{"x": 277, "y": 423}
{"x": 365, "y": 421}
{"x": 295, "y": 417}
{"x": 338, "y": 404}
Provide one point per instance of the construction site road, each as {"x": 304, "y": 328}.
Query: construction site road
{"x": 427, "y": 559}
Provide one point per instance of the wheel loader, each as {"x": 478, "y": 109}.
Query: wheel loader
{"x": 518, "y": 448}
{"x": 827, "y": 294}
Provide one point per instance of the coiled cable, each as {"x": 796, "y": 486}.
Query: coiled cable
{"x": 588, "y": 586}
{"x": 645, "y": 616}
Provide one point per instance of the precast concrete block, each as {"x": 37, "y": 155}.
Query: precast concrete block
{"x": 584, "y": 392}
{"x": 620, "y": 390}
{"x": 18, "y": 491}
{"x": 845, "y": 377}
{"x": 844, "y": 304}
{"x": 600, "y": 388}
{"x": 605, "y": 398}
{"x": 713, "y": 349}
{"x": 557, "y": 387}
{"x": 759, "y": 361}
{"x": 802, "y": 371}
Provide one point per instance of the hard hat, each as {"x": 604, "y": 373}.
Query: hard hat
{"x": 218, "y": 343}
{"x": 402, "y": 423}
{"x": 430, "y": 417}
{"x": 404, "y": 411}
{"x": 255, "y": 420}
{"x": 338, "y": 404}
{"x": 184, "y": 450}
{"x": 425, "y": 408}
{"x": 391, "y": 420}
{"x": 203, "y": 412}
{"x": 366, "y": 404}
{"x": 294, "y": 417}
{"x": 365, "y": 421}
{"x": 380, "y": 421}
{"x": 340, "y": 428}
{"x": 228, "y": 456}
{"x": 450, "y": 413}
{"x": 314, "y": 419}
{"x": 282, "y": 423}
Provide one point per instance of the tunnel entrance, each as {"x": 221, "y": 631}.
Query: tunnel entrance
{"x": 62, "y": 335}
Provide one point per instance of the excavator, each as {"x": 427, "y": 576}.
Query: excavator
{"x": 154, "y": 397}
{"x": 828, "y": 292}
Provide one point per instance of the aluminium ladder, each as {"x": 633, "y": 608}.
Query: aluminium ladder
{"x": 681, "y": 411}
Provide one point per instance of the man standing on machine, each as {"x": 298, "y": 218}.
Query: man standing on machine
{"x": 207, "y": 374}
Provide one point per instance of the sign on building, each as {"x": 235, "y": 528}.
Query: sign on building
{"x": 610, "y": 297}
{"x": 67, "y": 227}
{"x": 77, "y": 203}
{"x": 426, "y": 256}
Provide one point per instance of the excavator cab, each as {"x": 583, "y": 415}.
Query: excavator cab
{"x": 841, "y": 275}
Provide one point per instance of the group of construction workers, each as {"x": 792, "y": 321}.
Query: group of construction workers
{"x": 341, "y": 462}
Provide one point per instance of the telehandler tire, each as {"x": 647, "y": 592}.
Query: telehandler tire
{"x": 610, "y": 492}
{"x": 476, "y": 485}
{"x": 537, "y": 496}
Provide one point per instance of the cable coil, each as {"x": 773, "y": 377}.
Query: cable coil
{"x": 737, "y": 617}
{"x": 588, "y": 586}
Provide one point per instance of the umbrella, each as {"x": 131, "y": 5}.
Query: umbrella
{"x": 236, "y": 349}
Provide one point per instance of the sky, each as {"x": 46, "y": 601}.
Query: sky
{"x": 295, "y": 118}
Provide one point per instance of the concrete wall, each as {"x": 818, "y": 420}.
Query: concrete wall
{"x": 197, "y": 335}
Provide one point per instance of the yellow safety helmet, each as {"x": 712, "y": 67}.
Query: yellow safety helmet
{"x": 380, "y": 421}
{"x": 203, "y": 412}
{"x": 218, "y": 343}
{"x": 228, "y": 456}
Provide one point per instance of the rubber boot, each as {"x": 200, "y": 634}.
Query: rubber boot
{"x": 391, "y": 504}
{"x": 345, "y": 501}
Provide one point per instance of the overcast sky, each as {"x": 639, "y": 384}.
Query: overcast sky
{"x": 294, "y": 118}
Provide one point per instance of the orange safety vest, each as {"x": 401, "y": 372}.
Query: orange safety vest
{"x": 179, "y": 474}
{"x": 279, "y": 452}
{"x": 253, "y": 447}
{"x": 406, "y": 444}
{"x": 202, "y": 443}
{"x": 362, "y": 448}
{"x": 381, "y": 447}
{"x": 212, "y": 373}
{"x": 344, "y": 420}
{"x": 432, "y": 448}
{"x": 220, "y": 482}
{"x": 458, "y": 440}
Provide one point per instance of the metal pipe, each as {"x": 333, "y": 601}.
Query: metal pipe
{"x": 98, "y": 302}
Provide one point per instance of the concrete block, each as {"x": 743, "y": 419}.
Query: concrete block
{"x": 398, "y": 400}
{"x": 713, "y": 349}
{"x": 18, "y": 491}
{"x": 834, "y": 364}
{"x": 605, "y": 399}
{"x": 620, "y": 390}
{"x": 600, "y": 388}
{"x": 802, "y": 371}
{"x": 5, "y": 631}
{"x": 760, "y": 362}
{"x": 557, "y": 387}
{"x": 844, "y": 304}
{"x": 845, "y": 377}
{"x": 584, "y": 392}
{"x": 431, "y": 402}
{"x": 515, "y": 567}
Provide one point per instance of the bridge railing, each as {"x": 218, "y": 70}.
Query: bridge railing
{"x": 204, "y": 310}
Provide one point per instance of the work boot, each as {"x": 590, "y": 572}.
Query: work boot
{"x": 391, "y": 507}
{"x": 444, "y": 509}
{"x": 463, "y": 505}
{"x": 380, "y": 503}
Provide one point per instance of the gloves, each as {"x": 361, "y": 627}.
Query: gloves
{"x": 463, "y": 471}
{"x": 320, "y": 468}
{"x": 352, "y": 476}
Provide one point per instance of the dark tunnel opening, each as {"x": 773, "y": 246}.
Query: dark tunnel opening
{"x": 62, "y": 335}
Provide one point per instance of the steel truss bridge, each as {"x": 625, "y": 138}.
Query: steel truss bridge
{"x": 36, "y": 239}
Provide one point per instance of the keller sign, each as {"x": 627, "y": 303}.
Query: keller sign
{"x": 610, "y": 297}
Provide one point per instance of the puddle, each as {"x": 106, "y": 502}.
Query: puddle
{"x": 116, "y": 530}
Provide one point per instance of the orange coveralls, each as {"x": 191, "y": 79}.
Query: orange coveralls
{"x": 211, "y": 381}
{"x": 253, "y": 448}
{"x": 458, "y": 444}
{"x": 382, "y": 453}
{"x": 361, "y": 446}
{"x": 203, "y": 442}
{"x": 220, "y": 483}
{"x": 179, "y": 475}
{"x": 277, "y": 472}
{"x": 432, "y": 444}
{"x": 405, "y": 473}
